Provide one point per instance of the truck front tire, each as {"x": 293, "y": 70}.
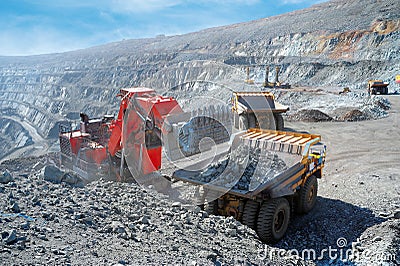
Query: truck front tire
{"x": 307, "y": 196}
{"x": 211, "y": 207}
{"x": 252, "y": 121}
{"x": 386, "y": 91}
{"x": 273, "y": 220}
{"x": 280, "y": 124}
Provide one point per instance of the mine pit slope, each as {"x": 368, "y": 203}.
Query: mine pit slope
{"x": 331, "y": 45}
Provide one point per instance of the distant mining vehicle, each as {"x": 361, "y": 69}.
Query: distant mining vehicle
{"x": 248, "y": 80}
{"x": 277, "y": 84}
{"x": 345, "y": 90}
{"x": 280, "y": 176}
{"x": 377, "y": 86}
{"x": 257, "y": 110}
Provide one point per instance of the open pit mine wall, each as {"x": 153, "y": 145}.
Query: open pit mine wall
{"x": 13, "y": 135}
{"x": 313, "y": 47}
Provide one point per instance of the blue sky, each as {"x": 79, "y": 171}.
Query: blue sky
{"x": 48, "y": 26}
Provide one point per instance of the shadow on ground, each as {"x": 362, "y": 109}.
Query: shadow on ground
{"x": 332, "y": 223}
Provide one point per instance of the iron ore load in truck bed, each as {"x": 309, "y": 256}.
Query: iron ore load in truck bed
{"x": 264, "y": 176}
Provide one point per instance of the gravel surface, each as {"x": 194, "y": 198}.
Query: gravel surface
{"x": 43, "y": 222}
{"x": 358, "y": 211}
{"x": 108, "y": 223}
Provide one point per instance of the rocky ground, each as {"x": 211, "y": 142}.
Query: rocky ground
{"x": 356, "y": 218}
{"x": 108, "y": 223}
{"x": 312, "y": 105}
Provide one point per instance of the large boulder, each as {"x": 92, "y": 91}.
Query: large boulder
{"x": 52, "y": 174}
{"x": 6, "y": 177}
{"x": 354, "y": 115}
{"x": 55, "y": 175}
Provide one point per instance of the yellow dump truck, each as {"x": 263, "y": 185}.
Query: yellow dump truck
{"x": 276, "y": 84}
{"x": 377, "y": 86}
{"x": 257, "y": 110}
{"x": 261, "y": 179}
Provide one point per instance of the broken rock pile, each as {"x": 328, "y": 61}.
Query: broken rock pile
{"x": 109, "y": 223}
{"x": 255, "y": 167}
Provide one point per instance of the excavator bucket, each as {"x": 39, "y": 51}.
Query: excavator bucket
{"x": 198, "y": 132}
{"x": 186, "y": 137}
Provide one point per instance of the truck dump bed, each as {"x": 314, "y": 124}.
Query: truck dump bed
{"x": 260, "y": 162}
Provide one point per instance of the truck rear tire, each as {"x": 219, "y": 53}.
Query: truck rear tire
{"x": 280, "y": 124}
{"x": 273, "y": 220}
{"x": 307, "y": 196}
{"x": 386, "y": 91}
{"x": 252, "y": 121}
{"x": 243, "y": 122}
{"x": 250, "y": 214}
{"x": 211, "y": 207}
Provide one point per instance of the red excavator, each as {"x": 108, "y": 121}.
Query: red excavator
{"x": 98, "y": 143}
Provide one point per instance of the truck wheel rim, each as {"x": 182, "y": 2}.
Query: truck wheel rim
{"x": 279, "y": 220}
{"x": 311, "y": 194}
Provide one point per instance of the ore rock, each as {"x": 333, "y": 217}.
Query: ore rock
{"x": 6, "y": 177}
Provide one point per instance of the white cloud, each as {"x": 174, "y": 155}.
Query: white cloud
{"x": 119, "y": 19}
{"x": 138, "y": 6}
{"x": 231, "y": 2}
{"x": 36, "y": 35}
{"x": 286, "y": 2}
{"x": 291, "y": 2}
{"x": 131, "y": 6}
{"x": 37, "y": 41}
